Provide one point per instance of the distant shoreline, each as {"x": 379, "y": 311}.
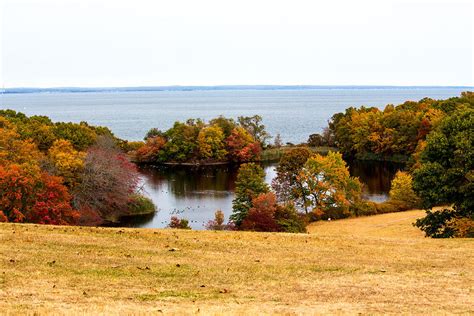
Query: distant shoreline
{"x": 23, "y": 90}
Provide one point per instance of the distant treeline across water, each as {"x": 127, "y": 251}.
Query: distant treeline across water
{"x": 294, "y": 112}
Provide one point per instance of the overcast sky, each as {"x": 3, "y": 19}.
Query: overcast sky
{"x": 48, "y": 43}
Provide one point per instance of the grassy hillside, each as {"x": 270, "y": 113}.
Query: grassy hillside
{"x": 378, "y": 264}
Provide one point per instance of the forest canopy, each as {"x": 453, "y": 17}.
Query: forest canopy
{"x": 64, "y": 173}
{"x": 195, "y": 141}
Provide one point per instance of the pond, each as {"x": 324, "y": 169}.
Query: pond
{"x": 196, "y": 193}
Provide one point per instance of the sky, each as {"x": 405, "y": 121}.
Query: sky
{"x": 85, "y": 43}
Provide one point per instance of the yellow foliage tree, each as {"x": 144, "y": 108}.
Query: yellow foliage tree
{"x": 13, "y": 150}
{"x": 328, "y": 186}
{"x": 402, "y": 189}
{"x": 67, "y": 161}
{"x": 211, "y": 143}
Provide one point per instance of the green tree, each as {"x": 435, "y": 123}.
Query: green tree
{"x": 253, "y": 125}
{"x": 227, "y": 125}
{"x": 182, "y": 140}
{"x": 446, "y": 174}
{"x": 249, "y": 184}
{"x": 80, "y": 136}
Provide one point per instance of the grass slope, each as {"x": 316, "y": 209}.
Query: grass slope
{"x": 378, "y": 264}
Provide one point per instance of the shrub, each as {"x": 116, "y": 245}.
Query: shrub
{"x": 218, "y": 222}
{"x": 391, "y": 206}
{"x": 333, "y": 212}
{"x": 463, "y": 227}
{"x": 364, "y": 208}
{"x": 288, "y": 219}
{"x": 140, "y": 205}
{"x": 178, "y": 223}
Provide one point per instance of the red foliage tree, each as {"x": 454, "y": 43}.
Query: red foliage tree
{"x": 28, "y": 195}
{"x": 242, "y": 147}
{"x": 261, "y": 217}
{"x": 150, "y": 151}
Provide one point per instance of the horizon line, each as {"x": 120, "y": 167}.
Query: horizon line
{"x": 233, "y": 86}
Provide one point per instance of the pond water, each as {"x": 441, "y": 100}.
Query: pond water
{"x": 196, "y": 193}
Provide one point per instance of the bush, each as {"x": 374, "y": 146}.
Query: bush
{"x": 178, "y": 223}
{"x": 289, "y": 220}
{"x": 364, "y": 208}
{"x": 329, "y": 213}
{"x": 434, "y": 223}
{"x": 463, "y": 227}
{"x": 391, "y": 206}
{"x": 218, "y": 222}
{"x": 140, "y": 205}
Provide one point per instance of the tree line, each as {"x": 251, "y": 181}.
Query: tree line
{"x": 64, "y": 173}
{"x": 434, "y": 137}
{"x": 195, "y": 141}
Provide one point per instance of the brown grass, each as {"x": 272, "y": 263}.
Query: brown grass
{"x": 378, "y": 264}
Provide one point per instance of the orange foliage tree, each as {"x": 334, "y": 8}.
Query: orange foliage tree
{"x": 242, "y": 147}
{"x": 30, "y": 195}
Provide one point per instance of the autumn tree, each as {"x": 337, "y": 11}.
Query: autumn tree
{"x": 211, "y": 143}
{"x": 261, "y": 216}
{"x": 218, "y": 222}
{"x": 402, "y": 190}
{"x": 15, "y": 150}
{"x": 242, "y": 147}
{"x": 154, "y": 132}
{"x": 315, "y": 140}
{"x": 227, "y": 125}
{"x": 152, "y": 151}
{"x": 445, "y": 175}
{"x": 249, "y": 184}
{"x": 277, "y": 142}
{"x": 328, "y": 186}
{"x": 253, "y": 125}
{"x": 28, "y": 194}
{"x": 81, "y": 136}
{"x": 182, "y": 140}
{"x": 287, "y": 184}
{"x": 67, "y": 161}
{"x": 108, "y": 181}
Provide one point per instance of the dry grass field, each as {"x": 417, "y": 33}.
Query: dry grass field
{"x": 371, "y": 265}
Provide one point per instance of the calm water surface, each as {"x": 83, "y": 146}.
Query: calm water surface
{"x": 196, "y": 194}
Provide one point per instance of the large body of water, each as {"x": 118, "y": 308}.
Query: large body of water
{"x": 295, "y": 114}
{"x": 196, "y": 194}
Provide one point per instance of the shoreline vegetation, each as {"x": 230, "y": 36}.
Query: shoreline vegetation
{"x": 78, "y": 174}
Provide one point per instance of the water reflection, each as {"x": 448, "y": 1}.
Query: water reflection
{"x": 376, "y": 177}
{"x": 196, "y": 193}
